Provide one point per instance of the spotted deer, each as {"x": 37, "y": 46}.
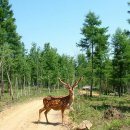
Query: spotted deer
{"x": 59, "y": 103}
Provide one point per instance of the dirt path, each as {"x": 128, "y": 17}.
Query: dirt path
{"x": 24, "y": 117}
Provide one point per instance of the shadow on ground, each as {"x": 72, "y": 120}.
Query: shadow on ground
{"x": 50, "y": 123}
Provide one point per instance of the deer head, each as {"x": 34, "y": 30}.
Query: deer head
{"x": 69, "y": 87}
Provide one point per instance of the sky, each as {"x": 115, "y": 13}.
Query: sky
{"x": 59, "y": 22}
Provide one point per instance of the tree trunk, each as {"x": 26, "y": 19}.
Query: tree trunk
{"x": 16, "y": 87}
{"x": 120, "y": 80}
{"x": 10, "y": 84}
{"x": 2, "y": 80}
{"x": 29, "y": 89}
{"x": 91, "y": 74}
{"x": 100, "y": 75}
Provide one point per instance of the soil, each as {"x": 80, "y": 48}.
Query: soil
{"x": 24, "y": 117}
{"x": 113, "y": 113}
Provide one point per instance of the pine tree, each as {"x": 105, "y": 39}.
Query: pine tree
{"x": 94, "y": 41}
{"x": 9, "y": 38}
{"x": 101, "y": 54}
{"x": 50, "y": 65}
{"x": 8, "y": 28}
{"x": 121, "y": 47}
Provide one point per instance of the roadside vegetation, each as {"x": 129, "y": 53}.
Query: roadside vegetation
{"x": 93, "y": 109}
{"x": 28, "y": 95}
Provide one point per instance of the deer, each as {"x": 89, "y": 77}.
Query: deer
{"x": 59, "y": 103}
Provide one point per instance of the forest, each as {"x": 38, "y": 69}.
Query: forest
{"x": 104, "y": 61}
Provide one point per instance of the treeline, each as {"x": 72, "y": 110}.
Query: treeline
{"x": 105, "y": 63}
{"x": 108, "y": 58}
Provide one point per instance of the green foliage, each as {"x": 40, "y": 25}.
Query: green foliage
{"x": 50, "y": 64}
{"x": 8, "y": 28}
{"x": 114, "y": 125}
{"x": 95, "y": 43}
{"x": 42, "y": 67}
{"x": 67, "y": 68}
{"x": 92, "y": 109}
{"x": 120, "y": 42}
{"x": 28, "y": 94}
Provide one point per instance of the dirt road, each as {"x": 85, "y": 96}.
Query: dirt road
{"x": 24, "y": 117}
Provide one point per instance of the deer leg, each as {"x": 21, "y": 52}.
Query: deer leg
{"x": 40, "y": 111}
{"x": 46, "y": 115}
{"x": 62, "y": 113}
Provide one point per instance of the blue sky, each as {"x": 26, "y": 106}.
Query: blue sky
{"x": 59, "y": 21}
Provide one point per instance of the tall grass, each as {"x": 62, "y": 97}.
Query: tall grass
{"x": 92, "y": 109}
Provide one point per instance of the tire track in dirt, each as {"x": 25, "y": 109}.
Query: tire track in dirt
{"x": 24, "y": 117}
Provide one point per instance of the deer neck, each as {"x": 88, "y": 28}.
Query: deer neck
{"x": 71, "y": 98}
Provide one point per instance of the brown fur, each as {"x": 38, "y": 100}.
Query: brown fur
{"x": 59, "y": 103}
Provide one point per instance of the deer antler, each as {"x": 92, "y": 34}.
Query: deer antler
{"x": 62, "y": 82}
{"x": 76, "y": 83}
{"x": 65, "y": 84}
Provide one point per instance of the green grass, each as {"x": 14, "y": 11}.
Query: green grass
{"x": 92, "y": 109}
{"x": 27, "y": 95}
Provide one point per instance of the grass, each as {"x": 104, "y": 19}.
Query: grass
{"x": 27, "y": 95}
{"x": 92, "y": 109}
{"x": 85, "y": 107}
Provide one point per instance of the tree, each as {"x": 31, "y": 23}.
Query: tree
{"x": 34, "y": 58}
{"x": 67, "y": 68}
{"x": 81, "y": 67}
{"x": 101, "y": 54}
{"x": 107, "y": 76}
{"x": 22, "y": 68}
{"x": 94, "y": 40}
{"x": 120, "y": 42}
{"x": 9, "y": 39}
{"x": 8, "y": 28}
{"x": 50, "y": 65}
{"x": 6, "y": 62}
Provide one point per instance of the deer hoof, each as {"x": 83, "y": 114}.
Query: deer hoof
{"x": 38, "y": 121}
{"x": 48, "y": 122}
